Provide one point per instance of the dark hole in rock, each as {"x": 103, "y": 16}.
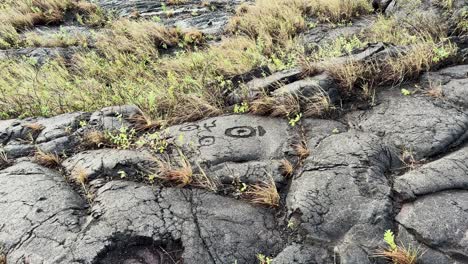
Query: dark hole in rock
{"x": 141, "y": 250}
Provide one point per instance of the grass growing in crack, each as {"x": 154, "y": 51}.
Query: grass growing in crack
{"x": 286, "y": 168}
{"x": 302, "y": 150}
{"x": 398, "y": 254}
{"x": 4, "y": 160}
{"x": 124, "y": 138}
{"x": 407, "y": 65}
{"x": 80, "y": 176}
{"x": 202, "y": 180}
{"x": 182, "y": 175}
{"x": 276, "y": 22}
{"x": 3, "y": 259}
{"x": 264, "y": 193}
{"x": 50, "y": 160}
{"x": 94, "y": 139}
{"x": 262, "y": 259}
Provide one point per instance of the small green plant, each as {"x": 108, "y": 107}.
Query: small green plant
{"x": 242, "y": 108}
{"x": 311, "y": 25}
{"x": 293, "y": 121}
{"x": 336, "y": 131}
{"x": 389, "y": 238}
{"x": 151, "y": 178}
{"x": 156, "y": 19}
{"x": 243, "y": 187}
{"x": 154, "y": 141}
{"x": 122, "y": 174}
{"x": 397, "y": 254}
{"x": 291, "y": 224}
{"x": 440, "y": 53}
{"x": 123, "y": 139}
{"x": 262, "y": 259}
{"x": 405, "y": 92}
{"x": 83, "y": 123}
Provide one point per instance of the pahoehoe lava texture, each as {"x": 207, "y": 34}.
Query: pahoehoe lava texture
{"x": 400, "y": 164}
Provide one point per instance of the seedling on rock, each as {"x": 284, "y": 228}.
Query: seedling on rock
{"x": 397, "y": 254}
{"x": 264, "y": 259}
{"x": 293, "y": 121}
{"x": 122, "y": 139}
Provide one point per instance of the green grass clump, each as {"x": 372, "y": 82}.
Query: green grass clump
{"x": 127, "y": 65}
{"x": 19, "y": 15}
{"x": 187, "y": 85}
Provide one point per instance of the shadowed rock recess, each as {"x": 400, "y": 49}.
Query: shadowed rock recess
{"x": 113, "y": 187}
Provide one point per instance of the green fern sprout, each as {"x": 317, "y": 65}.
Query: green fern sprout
{"x": 389, "y": 238}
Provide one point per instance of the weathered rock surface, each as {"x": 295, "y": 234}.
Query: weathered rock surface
{"x": 210, "y": 17}
{"x": 451, "y": 82}
{"x": 401, "y": 164}
{"x": 416, "y": 124}
{"x": 431, "y": 227}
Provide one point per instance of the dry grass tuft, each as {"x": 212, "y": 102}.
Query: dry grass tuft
{"x": 276, "y": 22}
{"x": 400, "y": 255}
{"x": 435, "y": 92}
{"x": 176, "y": 2}
{"x": 50, "y": 160}
{"x": 318, "y": 105}
{"x": 23, "y": 14}
{"x": 35, "y": 127}
{"x": 4, "y": 160}
{"x": 275, "y": 106}
{"x": 95, "y": 139}
{"x": 202, "y": 180}
{"x": 407, "y": 65}
{"x": 80, "y": 176}
{"x": 302, "y": 150}
{"x": 182, "y": 176}
{"x": 143, "y": 123}
{"x": 3, "y": 259}
{"x": 141, "y": 38}
{"x": 264, "y": 193}
{"x": 287, "y": 169}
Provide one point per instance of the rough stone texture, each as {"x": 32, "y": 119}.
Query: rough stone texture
{"x": 343, "y": 197}
{"x": 40, "y": 214}
{"x": 41, "y": 54}
{"x": 415, "y": 123}
{"x": 114, "y": 117}
{"x": 110, "y": 163}
{"x": 320, "y": 85}
{"x": 300, "y": 254}
{"x": 434, "y": 177}
{"x": 452, "y": 82}
{"x": 210, "y": 17}
{"x": 444, "y": 228}
{"x": 334, "y": 207}
{"x": 234, "y": 148}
